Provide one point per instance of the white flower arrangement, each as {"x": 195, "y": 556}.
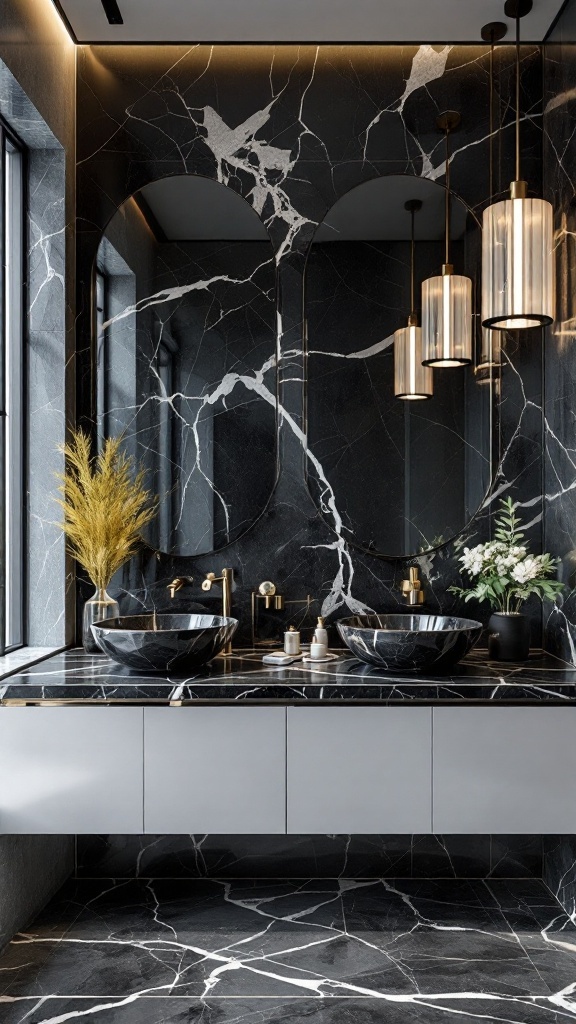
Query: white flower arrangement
{"x": 505, "y": 573}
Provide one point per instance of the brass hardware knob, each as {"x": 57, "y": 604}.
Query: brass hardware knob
{"x": 178, "y": 583}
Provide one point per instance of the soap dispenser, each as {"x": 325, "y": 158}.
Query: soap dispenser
{"x": 321, "y": 634}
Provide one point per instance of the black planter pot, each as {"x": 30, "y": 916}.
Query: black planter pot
{"x": 508, "y": 636}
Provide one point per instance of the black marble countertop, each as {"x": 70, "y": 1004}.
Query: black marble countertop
{"x": 75, "y": 677}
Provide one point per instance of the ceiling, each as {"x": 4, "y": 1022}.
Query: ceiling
{"x": 315, "y": 21}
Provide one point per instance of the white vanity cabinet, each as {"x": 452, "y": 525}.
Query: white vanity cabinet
{"x": 252, "y": 769}
{"x": 71, "y": 770}
{"x": 359, "y": 769}
{"x": 215, "y": 769}
{"x": 505, "y": 770}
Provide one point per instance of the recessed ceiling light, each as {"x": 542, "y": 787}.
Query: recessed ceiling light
{"x": 112, "y": 12}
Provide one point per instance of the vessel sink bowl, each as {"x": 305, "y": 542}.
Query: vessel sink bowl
{"x": 164, "y": 643}
{"x": 410, "y": 643}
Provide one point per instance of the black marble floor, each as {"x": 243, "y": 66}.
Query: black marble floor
{"x": 324, "y": 951}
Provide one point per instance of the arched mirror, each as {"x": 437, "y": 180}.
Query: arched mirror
{"x": 186, "y": 356}
{"x": 403, "y": 476}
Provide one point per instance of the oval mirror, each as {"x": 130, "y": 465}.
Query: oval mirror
{"x": 186, "y": 356}
{"x": 400, "y": 477}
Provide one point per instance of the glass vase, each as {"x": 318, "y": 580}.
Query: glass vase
{"x": 99, "y": 607}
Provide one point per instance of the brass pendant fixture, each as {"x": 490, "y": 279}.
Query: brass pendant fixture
{"x": 517, "y": 241}
{"x": 447, "y": 299}
{"x": 412, "y": 380}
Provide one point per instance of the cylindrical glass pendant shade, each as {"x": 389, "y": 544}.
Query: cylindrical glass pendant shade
{"x": 447, "y": 320}
{"x": 412, "y": 380}
{"x": 518, "y": 263}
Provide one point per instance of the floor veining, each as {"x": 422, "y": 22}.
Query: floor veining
{"x": 343, "y": 951}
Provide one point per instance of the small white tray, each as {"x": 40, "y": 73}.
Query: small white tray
{"x": 320, "y": 661}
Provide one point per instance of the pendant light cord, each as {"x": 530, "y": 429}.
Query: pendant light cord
{"x": 412, "y": 260}
{"x": 447, "y": 208}
{"x": 491, "y": 122}
{"x": 518, "y": 97}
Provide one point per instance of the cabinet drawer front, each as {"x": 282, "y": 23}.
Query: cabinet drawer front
{"x": 71, "y": 770}
{"x": 215, "y": 770}
{"x": 504, "y": 770}
{"x": 362, "y": 770}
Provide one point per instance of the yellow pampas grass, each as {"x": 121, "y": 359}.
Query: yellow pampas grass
{"x": 105, "y": 510}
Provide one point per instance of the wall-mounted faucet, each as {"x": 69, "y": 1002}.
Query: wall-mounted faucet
{"x": 178, "y": 583}
{"x": 226, "y": 579}
{"x": 412, "y": 588}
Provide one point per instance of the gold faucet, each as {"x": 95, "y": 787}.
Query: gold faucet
{"x": 412, "y": 588}
{"x": 178, "y": 583}
{"x": 226, "y": 579}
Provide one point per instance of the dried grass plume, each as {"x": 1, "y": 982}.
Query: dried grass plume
{"x": 105, "y": 508}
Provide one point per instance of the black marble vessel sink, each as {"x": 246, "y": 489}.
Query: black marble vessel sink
{"x": 164, "y": 642}
{"x": 410, "y": 643}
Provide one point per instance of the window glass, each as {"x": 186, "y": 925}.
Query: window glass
{"x": 12, "y": 429}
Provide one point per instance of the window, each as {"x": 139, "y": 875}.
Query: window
{"x": 12, "y": 504}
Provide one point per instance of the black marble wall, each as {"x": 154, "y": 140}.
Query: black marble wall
{"x": 559, "y": 870}
{"x": 291, "y": 129}
{"x": 560, "y": 350}
{"x": 336, "y": 856}
{"x": 406, "y": 476}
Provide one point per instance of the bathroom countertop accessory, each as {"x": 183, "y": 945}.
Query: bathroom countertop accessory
{"x": 281, "y": 658}
{"x": 292, "y": 641}
{"x": 318, "y": 651}
{"x": 266, "y": 597}
{"x": 327, "y": 656}
{"x": 267, "y": 592}
{"x": 321, "y": 633}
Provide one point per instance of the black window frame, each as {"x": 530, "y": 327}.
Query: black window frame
{"x": 102, "y": 303}
{"x": 13, "y": 400}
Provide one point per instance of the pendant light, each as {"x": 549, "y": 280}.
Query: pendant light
{"x": 447, "y": 299}
{"x": 517, "y": 241}
{"x": 488, "y": 369}
{"x": 412, "y": 380}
